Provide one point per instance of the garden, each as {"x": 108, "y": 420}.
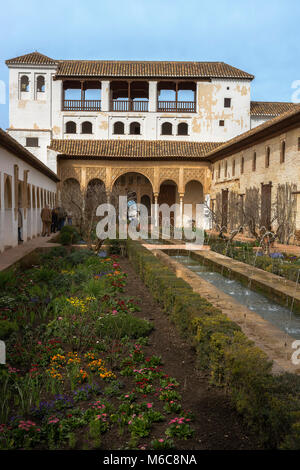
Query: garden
{"x": 81, "y": 372}
{"x": 76, "y": 362}
{"x": 107, "y": 352}
{"x": 281, "y": 264}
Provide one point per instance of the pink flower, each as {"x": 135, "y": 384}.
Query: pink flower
{"x": 160, "y": 440}
{"x": 149, "y": 405}
{"x": 114, "y": 312}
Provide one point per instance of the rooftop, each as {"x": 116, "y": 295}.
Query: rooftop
{"x": 270, "y": 108}
{"x": 13, "y": 146}
{"x": 277, "y": 125}
{"x": 135, "y": 149}
{"x": 119, "y": 68}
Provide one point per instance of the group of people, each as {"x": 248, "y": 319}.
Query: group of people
{"x": 54, "y": 220}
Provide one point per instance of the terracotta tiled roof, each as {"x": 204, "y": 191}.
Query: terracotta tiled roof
{"x": 104, "y": 68}
{"x": 34, "y": 58}
{"x": 119, "y": 68}
{"x": 270, "y": 108}
{"x": 8, "y": 142}
{"x": 132, "y": 148}
{"x": 273, "y": 126}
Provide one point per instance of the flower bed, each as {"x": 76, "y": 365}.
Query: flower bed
{"x": 282, "y": 264}
{"x": 77, "y": 375}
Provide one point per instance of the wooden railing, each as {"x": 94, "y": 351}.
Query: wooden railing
{"x": 129, "y": 105}
{"x": 176, "y": 106}
{"x": 82, "y": 105}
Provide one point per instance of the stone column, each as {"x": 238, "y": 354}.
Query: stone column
{"x": 180, "y": 220}
{"x": 105, "y": 95}
{"x": 152, "y": 96}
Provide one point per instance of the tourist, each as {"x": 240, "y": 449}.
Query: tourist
{"x": 54, "y": 224}
{"x": 61, "y": 217}
{"x": 20, "y": 225}
{"x": 69, "y": 217}
{"x": 46, "y": 217}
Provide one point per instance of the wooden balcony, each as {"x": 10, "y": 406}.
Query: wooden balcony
{"x": 129, "y": 106}
{"x": 82, "y": 105}
{"x": 176, "y": 106}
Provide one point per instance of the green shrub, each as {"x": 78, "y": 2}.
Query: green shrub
{"x": 7, "y": 280}
{"x": 68, "y": 235}
{"x": 7, "y": 328}
{"x": 121, "y": 325}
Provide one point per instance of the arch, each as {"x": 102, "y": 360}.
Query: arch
{"x": 126, "y": 171}
{"x": 20, "y": 193}
{"x": 24, "y": 84}
{"x": 86, "y": 127}
{"x": 119, "y": 128}
{"x": 71, "y": 197}
{"x": 166, "y": 128}
{"x": 182, "y": 128}
{"x": 135, "y": 128}
{"x": 146, "y": 201}
{"x": 40, "y": 84}
{"x": 95, "y": 195}
{"x": 193, "y": 195}
{"x": 71, "y": 127}
{"x": 7, "y": 194}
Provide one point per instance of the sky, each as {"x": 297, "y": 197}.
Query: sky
{"x": 258, "y": 36}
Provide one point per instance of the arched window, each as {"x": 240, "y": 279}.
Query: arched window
{"x": 268, "y": 152}
{"x": 282, "y": 152}
{"x": 182, "y": 129}
{"x": 119, "y": 127}
{"x": 135, "y": 128}
{"x": 166, "y": 128}
{"x": 70, "y": 127}
{"x": 7, "y": 194}
{"x": 86, "y": 127}
{"x": 40, "y": 84}
{"x": 24, "y": 83}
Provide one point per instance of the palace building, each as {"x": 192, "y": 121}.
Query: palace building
{"x": 161, "y": 129}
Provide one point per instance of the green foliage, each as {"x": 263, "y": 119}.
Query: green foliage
{"x": 7, "y": 328}
{"x": 7, "y": 280}
{"x": 123, "y": 324}
{"x": 68, "y": 235}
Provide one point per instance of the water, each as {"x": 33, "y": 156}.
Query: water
{"x": 258, "y": 303}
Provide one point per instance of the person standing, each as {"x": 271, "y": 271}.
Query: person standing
{"x": 54, "y": 225}
{"x": 46, "y": 217}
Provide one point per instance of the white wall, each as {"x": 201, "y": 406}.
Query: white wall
{"x": 31, "y": 222}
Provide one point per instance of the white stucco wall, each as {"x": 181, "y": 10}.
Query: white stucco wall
{"x": 8, "y": 220}
{"x": 40, "y": 115}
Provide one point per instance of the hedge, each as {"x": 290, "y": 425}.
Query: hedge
{"x": 269, "y": 404}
